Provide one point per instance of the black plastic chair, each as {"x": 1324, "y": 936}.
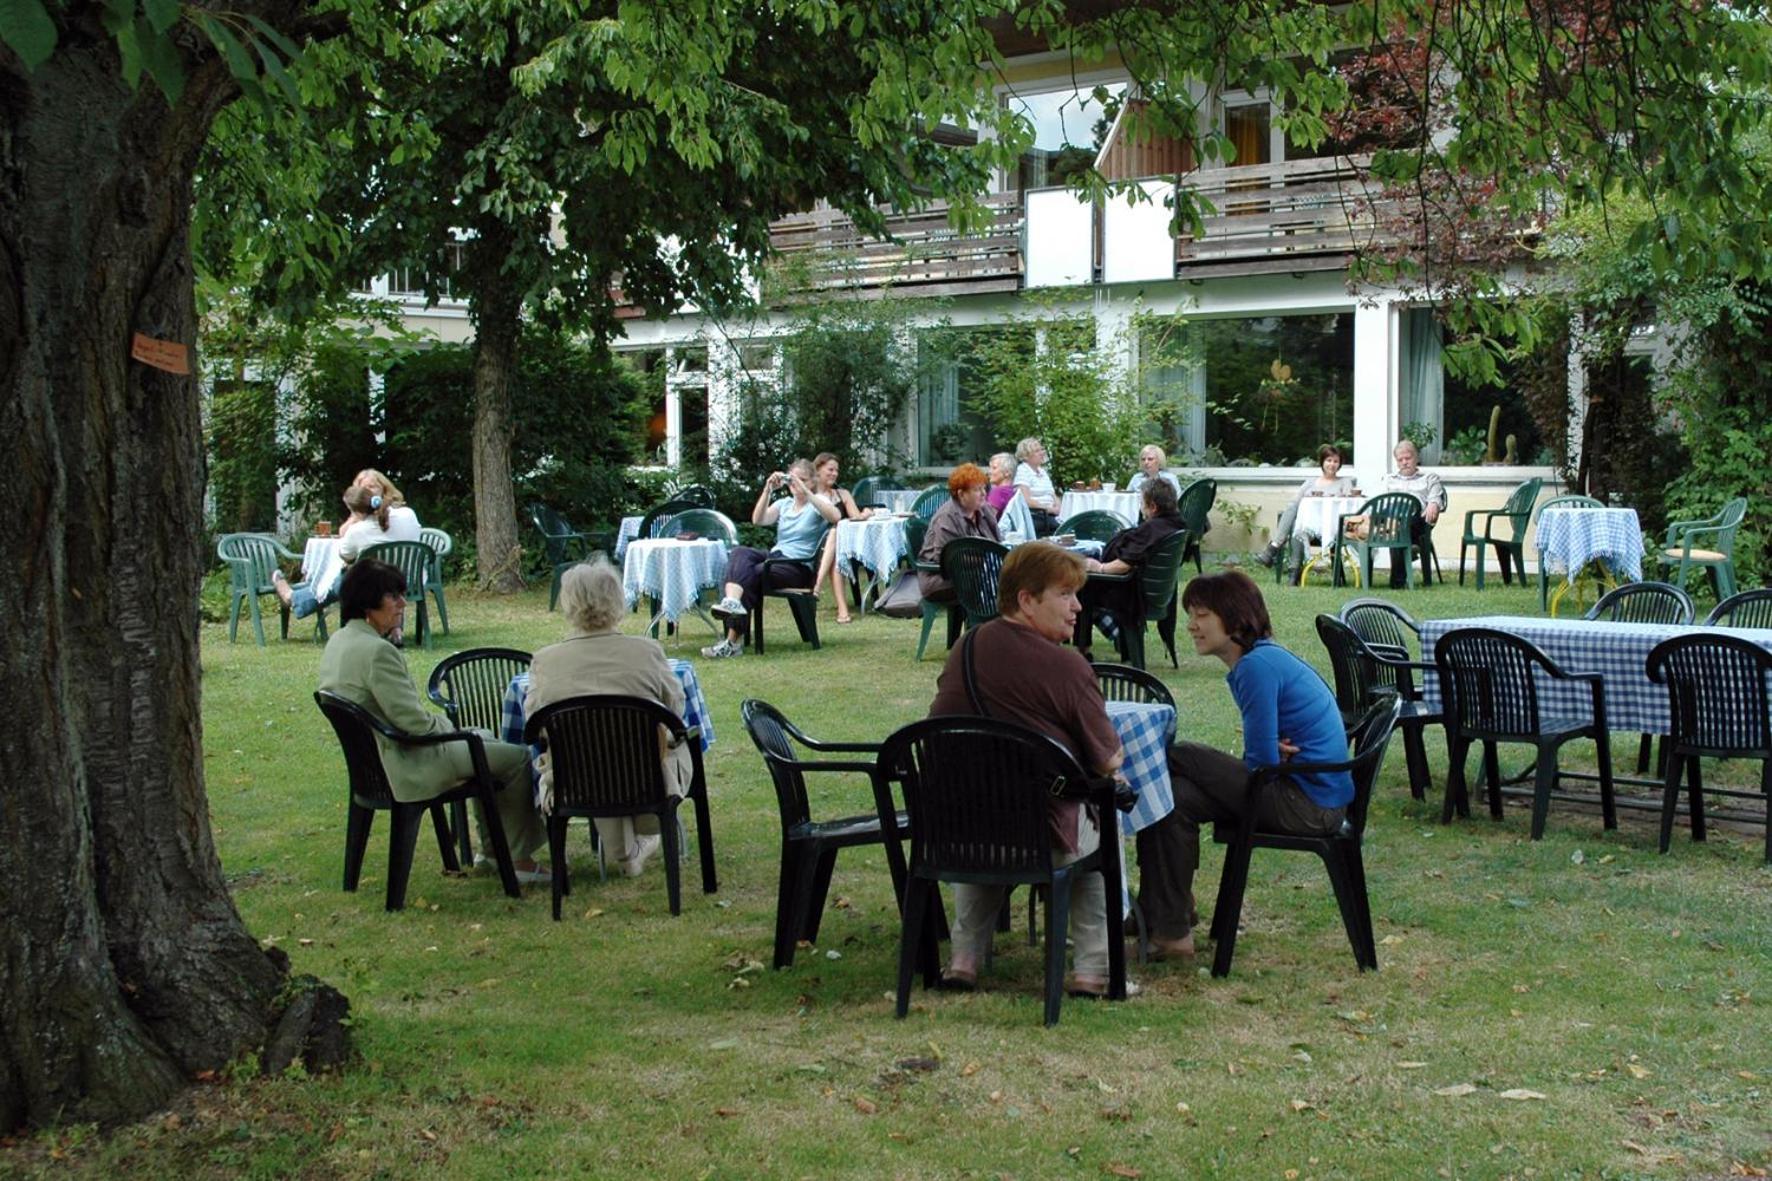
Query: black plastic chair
{"x": 1510, "y": 550}
{"x": 414, "y": 559}
{"x": 370, "y": 793}
{"x": 564, "y": 546}
{"x": 603, "y": 750}
{"x": 976, "y": 792}
{"x": 703, "y": 522}
{"x": 802, "y": 603}
{"x": 1340, "y": 850}
{"x": 1644, "y": 602}
{"x": 1750, "y": 608}
{"x": 973, "y": 565}
{"x": 470, "y": 688}
{"x": 1719, "y": 708}
{"x": 1489, "y": 679}
{"x": 1390, "y": 525}
{"x": 1195, "y": 507}
{"x": 1364, "y": 675}
{"x": 1122, "y": 682}
{"x": 653, "y": 524}
{"x": 1096, "y": 524}
{"x": 809, "y": 847}
{"x": 1384, "y": 625}
{"x": 699, "y": 494}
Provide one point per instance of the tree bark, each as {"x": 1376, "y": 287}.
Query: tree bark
{"x": 124, "y": 966}
{"x": 497, "y": 314}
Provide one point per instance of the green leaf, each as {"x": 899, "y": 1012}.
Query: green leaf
{"x": 162, "y": 15}
{"x": 278, "y": 74}
{"x": 289, "y": 49}
{"x": 129, "y": 48}
{"x": 161, "y": 56}
{"x": 27, "y": 30}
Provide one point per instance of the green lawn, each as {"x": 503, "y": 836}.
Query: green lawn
{"x": 1576, "y": 1007}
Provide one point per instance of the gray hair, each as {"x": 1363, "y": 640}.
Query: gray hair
{"x": 1402, "y": 443}
{"x": 1162, "y": 456}
{"x": 1026, "y": 447}
{"x": 591, "y": 596}
{"x": 1004, "y": 460}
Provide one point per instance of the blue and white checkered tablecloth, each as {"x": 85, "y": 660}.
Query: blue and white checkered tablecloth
{"x": 1144, "y": 731}
{"x": 1015, "y": 523}
{"x": 695, "y": 706}
{"x": 630, "y": 529}
{"x": 1569, "y": 538}
{"x": 877, "y": 544}
{"x": 671, "y": 572}
{"x": 898, "y": 500}
{"x": 1619, "y": 652}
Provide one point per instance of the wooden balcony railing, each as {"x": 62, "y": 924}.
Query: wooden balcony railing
{"x": 824, "y": 250}
{"x": 1289, "y": 208}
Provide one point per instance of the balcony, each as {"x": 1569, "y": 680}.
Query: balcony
{"x": 825, "y": 251}
{"x": 1292, "y": 215}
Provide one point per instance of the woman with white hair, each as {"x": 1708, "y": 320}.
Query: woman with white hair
{"x": 1152, "y": 460}
{"x": 596, "y": 658}
{"x": 1034, "y": 483}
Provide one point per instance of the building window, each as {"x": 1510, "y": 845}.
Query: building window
{"x": 1448, "y": 415}
{"x": 1070, "y": 127}
{"x": 1262, "y": 390}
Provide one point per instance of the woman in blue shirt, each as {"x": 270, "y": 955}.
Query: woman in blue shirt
{"x": 1288, "y": 713}
{"x": 800, "y": 521}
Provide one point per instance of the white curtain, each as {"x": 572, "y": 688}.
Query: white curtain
{"x": 1424, "y": 378}
{"x": 941, "y": 406}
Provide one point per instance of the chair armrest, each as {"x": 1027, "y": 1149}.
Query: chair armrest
{"x": 1685, "y": 545}
{"x": 1471, "y": 515}
{"x": 476, "y": 745}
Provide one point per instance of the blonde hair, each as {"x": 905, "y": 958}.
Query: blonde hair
{"x": 591, "y": 595}
{"x": 390, "y": 495}
{"x": 1025, "y": 448}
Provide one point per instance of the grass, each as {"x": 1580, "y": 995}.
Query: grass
{"x": 1622, "y": 991}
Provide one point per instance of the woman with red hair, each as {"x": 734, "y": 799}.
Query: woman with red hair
{"x": 964, "y": 515}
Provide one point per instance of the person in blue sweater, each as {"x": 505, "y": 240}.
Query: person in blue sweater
{"x": 1288, "y": 713}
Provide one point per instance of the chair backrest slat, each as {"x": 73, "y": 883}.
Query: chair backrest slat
{"x": 604, "y": 753}
{"x": 1094, "y": 524}
{"x": 1489, "y": 679}
{"x": 470, "y": 686}
{"x": 973, "y": 565}
{"x": 356, "y": 736}
{"x": 1750, "y": 608}
{"x": 1644, "y": 602}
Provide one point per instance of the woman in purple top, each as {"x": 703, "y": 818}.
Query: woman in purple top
{"x": 1288, "y": 712}
{"x": 1002, "y": 477}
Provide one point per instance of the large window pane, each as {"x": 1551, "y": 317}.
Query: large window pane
{"x": 1276, "y": 387}
{"x": 1448, "y": 414}
{"x": 1069, "y": 128}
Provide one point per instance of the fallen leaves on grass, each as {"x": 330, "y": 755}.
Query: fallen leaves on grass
{"x": 1118, "y": 1170}
{"x": 1456, "y": 1090}
{"x": 1521, "y": 1094}
{"x": 865, "y": 1105}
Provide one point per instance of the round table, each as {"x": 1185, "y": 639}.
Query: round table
{"x": 671, "y": 573}
{"x": 1124, "y": 505}
{"x": 315, "y": 554}
{"x": 1570, "y": 539}
{"x": 898, "y": 500}
{"x": 1322, "y": 515}
{"x": 877, "y": 544}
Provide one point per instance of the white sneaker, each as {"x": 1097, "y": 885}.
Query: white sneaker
{"x": 728, "y": 608}
{"x": 638, "y": 854}
{"x": 722, "y": 650}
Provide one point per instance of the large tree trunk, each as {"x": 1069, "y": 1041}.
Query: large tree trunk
{"x": 123, "y": 963}
{"x": 497, "y": 321}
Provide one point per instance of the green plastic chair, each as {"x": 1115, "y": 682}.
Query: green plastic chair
{"x": 1096, "y": 524}
{"x": 1195, "y": 508}
{"x": 1708, "y": 545}
{"x": 251, "y": 559}
{"x": 1390, "y": 521}
{"x": 414, "y": 559}
{"x": 442, "y": 545}
{"x": 564, "y": 546}
{"x": 1571, "y": 501}
{"x": 1157, "y": 578}
{"x": 867, "y": 490}
{"x": 915, "y": 528}
{"x": 931, "y": 499}
{"x": 1516, "y": 514}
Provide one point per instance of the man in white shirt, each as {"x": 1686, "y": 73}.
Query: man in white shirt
{"x": 1423, "y": 486}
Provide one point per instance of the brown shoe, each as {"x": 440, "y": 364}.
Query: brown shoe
{"x": 1161, "y": 948}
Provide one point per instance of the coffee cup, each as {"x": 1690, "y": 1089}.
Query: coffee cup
{"x": 1107, "y": 485}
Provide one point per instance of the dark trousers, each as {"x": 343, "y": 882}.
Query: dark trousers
{"x": 744, "y": 565}
{"x": 1045, "y": 524}
{"x": 1211, "y": 786}
{"x": 1419, "y": 531}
